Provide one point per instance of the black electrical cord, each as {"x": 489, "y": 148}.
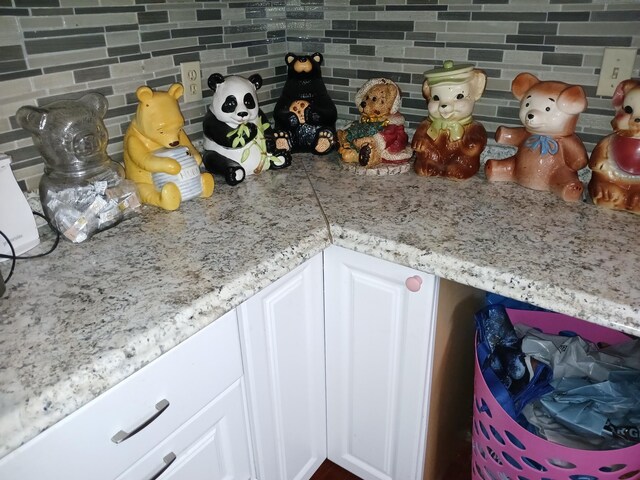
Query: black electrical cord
{"x": 12, "y": 256}
{"x": 15, "y": 257}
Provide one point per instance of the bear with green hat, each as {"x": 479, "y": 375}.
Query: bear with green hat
{"x": 449, "y": 142}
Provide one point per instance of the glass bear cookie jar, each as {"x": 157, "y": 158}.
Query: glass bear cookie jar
{"x": 449, "y": 142}
{"x": 82, "y": 190}
{"x": 615, "y": 161}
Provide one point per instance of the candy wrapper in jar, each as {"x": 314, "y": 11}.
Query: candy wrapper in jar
{"x": 78, "y": 212}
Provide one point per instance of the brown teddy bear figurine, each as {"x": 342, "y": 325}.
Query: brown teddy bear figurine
{"x": 449, "y": 142}
{"x": 615, "y": 162}
{"x": 549, "y": 152}
{"x": 379, "y": 136}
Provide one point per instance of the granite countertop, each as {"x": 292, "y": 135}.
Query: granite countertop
{"x": 76, "y": 323}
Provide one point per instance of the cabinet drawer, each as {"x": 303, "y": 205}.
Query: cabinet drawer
{"x": 188, "y": 377}
{"x": 214, "y": 444}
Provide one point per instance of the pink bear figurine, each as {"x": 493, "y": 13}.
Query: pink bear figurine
{"x": 549, "y": 152}
{"x": 615, "y": 162}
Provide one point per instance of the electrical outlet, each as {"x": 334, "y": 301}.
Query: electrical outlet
{"x": 191, "y": 81}
{"x": 617, "y": 65}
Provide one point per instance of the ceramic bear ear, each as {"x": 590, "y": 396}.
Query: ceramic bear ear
{"x": 144, "y": 93}
{"x": 572, "y": 100}
{"x": 317, "y": 57}
{"x": 290, "y": 58}
{"x": 522, "y": 83}
{"x": 214, "y": 80}
{"x": 621, "y": 90}
{"x": 31, "y": 118}
{"x": 479, "y": 83}
{"x": 256, "y": 79}
{"x": 96, "y": 101}
{"x": 426, "y": 90}
{"x": 176, "y": 90}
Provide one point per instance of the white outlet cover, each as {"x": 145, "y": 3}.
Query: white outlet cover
{"x": 617, "y": 65}
{"x": 191, "y": 81}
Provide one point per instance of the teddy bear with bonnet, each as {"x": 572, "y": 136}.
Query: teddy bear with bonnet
{"x": 379, "y": 136}
{"x": 449, "y": 142}
{"x": 549, "y": 152}
{"x": 615, "y": 162}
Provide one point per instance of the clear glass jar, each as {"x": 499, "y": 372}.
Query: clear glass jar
{"x": 83, "y": 191}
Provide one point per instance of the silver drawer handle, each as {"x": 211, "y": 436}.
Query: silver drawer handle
{"x": 168, "y": 460}
{"x": 121, "y": 436}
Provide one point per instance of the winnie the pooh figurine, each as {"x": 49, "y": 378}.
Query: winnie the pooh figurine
{"x": 152, "y": 149}
{"x": 379, "y": 136}
{"x": 615, "y": 162}
{"x": 549, "y": 153}
{"x": 449, "y": 142}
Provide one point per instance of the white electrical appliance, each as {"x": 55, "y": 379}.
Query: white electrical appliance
{"x": 16, "y": 220}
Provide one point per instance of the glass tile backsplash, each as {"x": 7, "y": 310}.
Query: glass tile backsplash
{"x": 52, "y": 49}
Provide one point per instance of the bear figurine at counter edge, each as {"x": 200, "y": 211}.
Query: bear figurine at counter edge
{"x": 449, "y": 142}
{"x": 305, "y": 116}
{"x": 238, "y": 139}
{"x": 158, "y": 124}
{"x": 615, "y": 161}
{"x": 549, "y": 152}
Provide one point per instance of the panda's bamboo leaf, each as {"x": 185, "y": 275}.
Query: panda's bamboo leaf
{"x": 245, "y": 155}
{"x": 232, "y": 133}
{"x": 235, "y": 142}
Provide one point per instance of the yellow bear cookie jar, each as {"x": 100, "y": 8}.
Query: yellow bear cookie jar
{"x": 158, "y": 154}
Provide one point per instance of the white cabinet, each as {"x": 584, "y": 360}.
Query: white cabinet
{"x": 110, "y": 434}
{"x": 282, "y": 336}
{"x": 379, "y": 338}
{"x": 258, "y": 394}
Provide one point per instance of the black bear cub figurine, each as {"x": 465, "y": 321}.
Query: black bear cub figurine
{"x": 305, "y": 116}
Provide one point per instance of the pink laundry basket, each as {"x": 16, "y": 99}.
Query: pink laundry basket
{"x": 503, "y": 450}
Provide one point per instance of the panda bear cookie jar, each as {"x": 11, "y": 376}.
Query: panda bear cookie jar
{"x": 449, "y": 142}
{"x": 549, "y": 152}
{"x": 305, "y": 116}
{"x": 238, "y": 139}
{"x": 615, "y": 161}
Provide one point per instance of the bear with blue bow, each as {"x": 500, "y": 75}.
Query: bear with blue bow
{"x": 549, "y": 153}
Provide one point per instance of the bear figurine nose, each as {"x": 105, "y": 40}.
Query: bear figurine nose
{"x": 530, "y": 116}
{"x": 363, "y": 104}
{"x": 443, "y": 106}
{"x": 243, "y": 114}
{"x": 174, "y": 144}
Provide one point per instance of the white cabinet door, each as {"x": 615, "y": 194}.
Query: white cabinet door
{"x": 213, "y": 445}
{"x": 282, "y": 337}
{"x": 379, "y": 338}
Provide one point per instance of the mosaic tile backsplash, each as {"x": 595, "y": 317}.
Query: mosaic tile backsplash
{"x": 52, "y": 49}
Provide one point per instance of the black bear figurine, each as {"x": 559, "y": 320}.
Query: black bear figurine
{"x": 305, "y": 116}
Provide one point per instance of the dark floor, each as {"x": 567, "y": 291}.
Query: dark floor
{"x": 460, "y": 468}
{"x": 330, "y": 471}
